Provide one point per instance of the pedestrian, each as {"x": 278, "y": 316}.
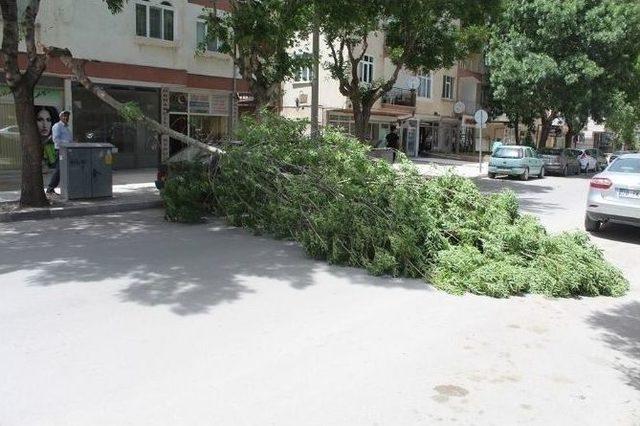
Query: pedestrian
{"x": 393, "y": 141}
{"x": 60, "y": 134}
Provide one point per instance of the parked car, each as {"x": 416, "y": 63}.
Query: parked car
{"x": 587, "y": 162}
{"x": 558, "y": 160}
{"x": 190, "y": 154}
{"x": 516, "y": 160}
{"x": 614, "y": 195}
{"x": 617, "y": 154}
{"x": 601, "y": 159}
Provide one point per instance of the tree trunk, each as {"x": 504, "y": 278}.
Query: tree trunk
{"x": 361, "y": 116}
{"x": 32, "y": 192}
{"x": 544, "y": 133}
{"x": 517, "y": 131}
{"x": 568, "y": 137}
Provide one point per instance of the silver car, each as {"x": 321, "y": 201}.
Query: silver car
{"x": 614, "y": 195}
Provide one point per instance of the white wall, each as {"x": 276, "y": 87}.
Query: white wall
{"x": 92, "y": 32}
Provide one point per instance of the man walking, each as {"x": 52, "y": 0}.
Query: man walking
{"x": 60, "y": 133}
{"x": 393, "y": 141}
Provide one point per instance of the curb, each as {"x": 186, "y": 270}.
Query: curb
{"x": 59, "y": 212}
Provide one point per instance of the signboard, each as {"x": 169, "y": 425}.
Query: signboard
{"x": 481, "y": 116}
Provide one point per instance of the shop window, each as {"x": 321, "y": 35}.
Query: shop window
{"x": 155, "y": 20}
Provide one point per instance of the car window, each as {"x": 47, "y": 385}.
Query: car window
{"x": 625, "y": 165}
{"x": 550, "y": 151}
{"x": 508, "y": 153}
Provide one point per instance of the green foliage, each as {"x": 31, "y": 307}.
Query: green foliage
{"x": 131, "y": 111}
{"x": 187, "y": 193}
{"x": 263, "y": 33}
{"x": 624, "y": 120}
{"x": 566, "y": 60}
{"x": 419, "y": 35}
{"x": 345, "y": 208}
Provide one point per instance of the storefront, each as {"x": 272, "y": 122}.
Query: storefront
{"x": 377, "y": 129}
{"x": 49, "y": 101}
{"x": 201, "y": 115}
{"x": 95, "y": 121}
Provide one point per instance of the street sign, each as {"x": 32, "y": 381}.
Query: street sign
{"x": 481, "y": 116}
{"x": 459, "y": 107}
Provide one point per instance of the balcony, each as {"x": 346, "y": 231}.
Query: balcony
{"x": 399, "y": 97}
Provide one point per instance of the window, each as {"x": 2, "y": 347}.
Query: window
{"x": 210, "y": 44}
{"x": 447, "y": 87}
{"x": 304, "y": 74}
{"x": 155, "y": 20}
{"x": 424, "y": 90}
{"x": 365, "y": 69}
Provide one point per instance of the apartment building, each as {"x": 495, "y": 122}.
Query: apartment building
{"x": 146, "y": 54}
{"x": 433, "y": 112}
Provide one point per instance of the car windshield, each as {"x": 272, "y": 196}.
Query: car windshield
{"x": 550, "y": 151}
{"x": 625, "y": 165}
{"x": 508, "y": 153}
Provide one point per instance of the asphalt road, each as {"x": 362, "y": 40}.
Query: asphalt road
{"x": 129, "y": 320}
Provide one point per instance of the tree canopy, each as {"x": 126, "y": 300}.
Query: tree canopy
{"x": 548, "y": 61}
{"x": 419, "y": 35}
{"x": 260, "y": 36}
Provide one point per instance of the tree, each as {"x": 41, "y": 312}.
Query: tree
{"x": 563, "y": 61}
{"x": 19, "y": 18}
{"x": 624, "y": 121}
{"x": 260, "y": 35}
{"x": 419, "y": 35}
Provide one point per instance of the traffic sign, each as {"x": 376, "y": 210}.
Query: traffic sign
{"x": 481, "y": 116}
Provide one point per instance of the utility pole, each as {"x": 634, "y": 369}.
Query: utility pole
{"x": 315, "y": 89}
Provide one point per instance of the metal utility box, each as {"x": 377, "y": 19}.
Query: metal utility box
{"x": 85, "y": 170}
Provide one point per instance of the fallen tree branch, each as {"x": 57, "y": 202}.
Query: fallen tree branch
{"x": 76, "y": 66}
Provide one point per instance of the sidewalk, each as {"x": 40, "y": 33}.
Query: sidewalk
{"x": 132, "y": 190}
{"x": 440, "y": 166}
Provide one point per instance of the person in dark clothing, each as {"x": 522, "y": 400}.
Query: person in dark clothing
{"x": 393, "y": 141}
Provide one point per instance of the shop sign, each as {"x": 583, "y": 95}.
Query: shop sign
{"x": 199, "y": 104}
{"x": 219, "y": 105}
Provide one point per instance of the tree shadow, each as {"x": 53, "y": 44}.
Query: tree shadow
{"x": 620, "y": 329}
{"x": 189, "y": 268}
{"x": 528, "y": 193}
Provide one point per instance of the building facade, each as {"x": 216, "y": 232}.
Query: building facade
{"x": 149, "y": 54}
{"x": 433, "y": 112}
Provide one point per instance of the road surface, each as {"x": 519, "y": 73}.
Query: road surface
{"x": 129, "y": 320}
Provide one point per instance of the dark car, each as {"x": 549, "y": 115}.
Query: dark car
{"x": 561, "y": 161}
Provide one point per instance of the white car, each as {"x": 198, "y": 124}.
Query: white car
{"x": 587, "y": 162}
{"x": 614, "y": 195}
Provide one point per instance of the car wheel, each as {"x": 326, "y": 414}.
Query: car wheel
{"x": 541, "y": 174}
{"x": 565, "y": 171}
{"x": 491, "y": 175}
{"x": 525, "y": 176}
{"x": 591, "y": 225}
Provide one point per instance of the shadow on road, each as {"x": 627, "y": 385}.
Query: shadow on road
{"x": 189, "y": 268}
{"x": 620, "y": 329}
{"x": 618, "y": 232}
{"x": 530, "y": 194}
